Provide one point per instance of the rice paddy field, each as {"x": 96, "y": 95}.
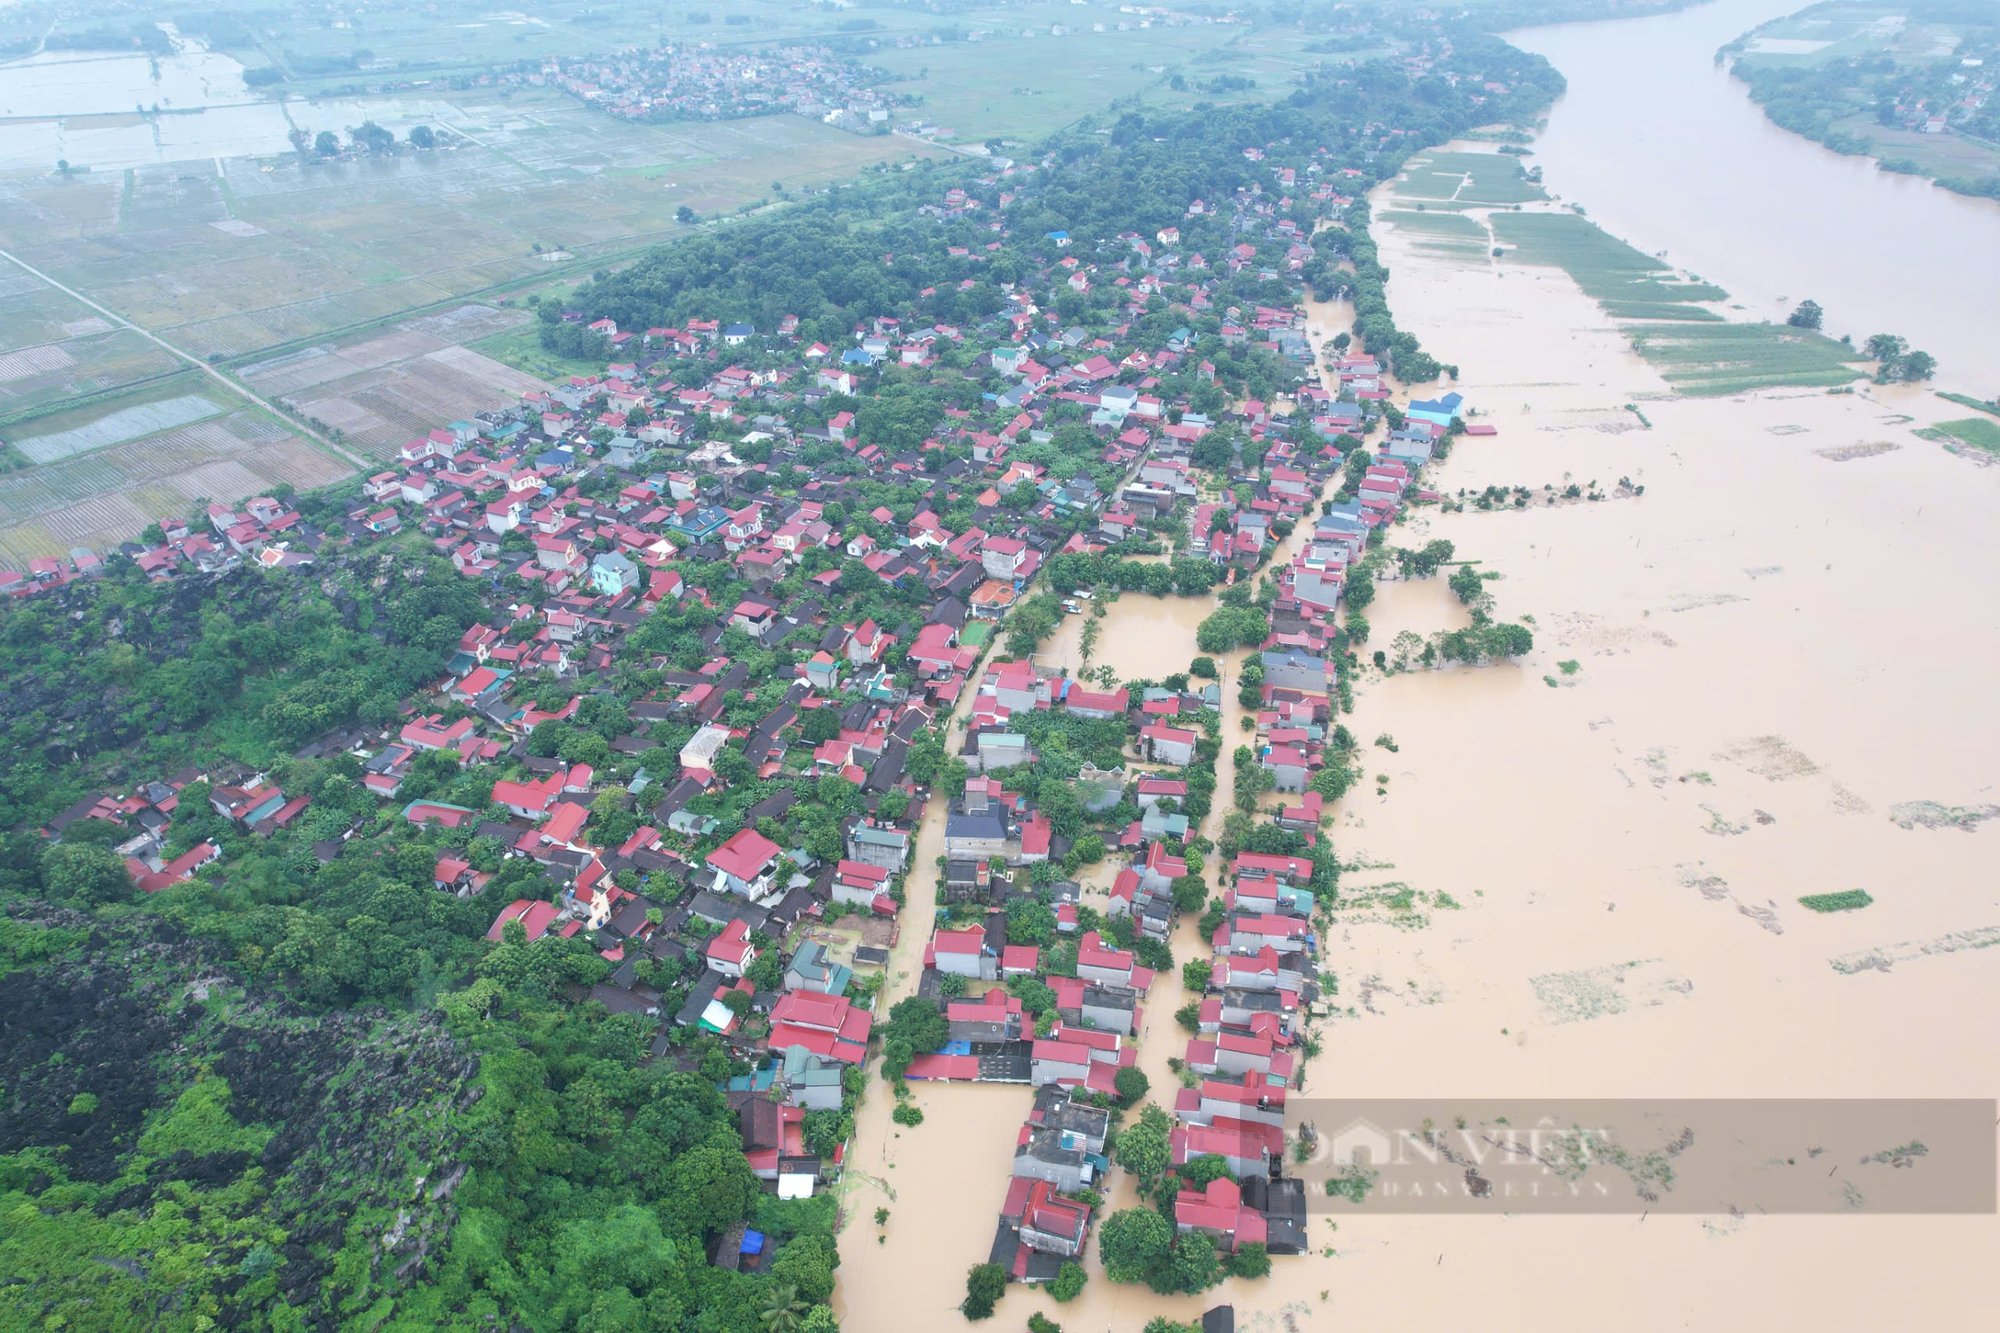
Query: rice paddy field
{"x": 374, "y": 393}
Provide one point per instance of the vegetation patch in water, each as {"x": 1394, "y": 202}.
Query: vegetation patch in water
{"x": 1847, "y": 900}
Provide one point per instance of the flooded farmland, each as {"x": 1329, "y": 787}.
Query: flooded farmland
{"x": 104, "y": 111}
{"x": 1737, "y": 698}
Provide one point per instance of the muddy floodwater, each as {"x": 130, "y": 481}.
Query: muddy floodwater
{"x": 1139, "y": 637}
{"x": 1757, "y": 680}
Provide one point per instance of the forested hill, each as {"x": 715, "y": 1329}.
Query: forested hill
{"x": 178, "y": 1145}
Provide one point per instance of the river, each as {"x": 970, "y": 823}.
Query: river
{"x": 1667, "y": 151}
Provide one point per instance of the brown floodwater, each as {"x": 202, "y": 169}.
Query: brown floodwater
{"x": 1139, "y": 637}
{"x": 1776, "y": 654}
{"x": 1666, "y": 149}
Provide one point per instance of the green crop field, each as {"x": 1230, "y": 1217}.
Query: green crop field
{"x": 1469, "y": 178}
{"x": 1846, "y": 900}
{"x": 1017, "y": 86}
{"x": 1708, "y": 360}
{"x": 522, "y": 349}
{"x": 1609, "y": 271}
{"x": 1981, "y": 433}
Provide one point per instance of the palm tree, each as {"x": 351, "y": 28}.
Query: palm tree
{"x": 782, "y": 1310}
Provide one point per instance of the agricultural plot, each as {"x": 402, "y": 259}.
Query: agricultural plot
{"x": 1611, "y": 272}
{"x": 110, "y": 494}
{"x": 128, "y": 423}
{"x": 1017, "y": 86}
{"x": 41, "y": 379}
{"x": 1469, "y": 178}
{"x": 1981, "y": 434}
{"x": 374, "y": 394}
{"x": 1707, "y": 360}
{"x": 1442, "y": 233}
{"x": 1839, "y": 32}
{"x": 32, "y": 313}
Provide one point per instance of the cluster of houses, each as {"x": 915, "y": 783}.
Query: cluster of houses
{"x": 700, "y": 81}
{"x": 665, "y": 492}
{"x": 1941, "y": 97}
{"x": 263, "y": 531}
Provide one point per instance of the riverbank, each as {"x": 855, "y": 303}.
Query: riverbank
{"x": 1667, "y": 151}
{"x": 1759, "y": 696}
{"x": 1821, "y": 75}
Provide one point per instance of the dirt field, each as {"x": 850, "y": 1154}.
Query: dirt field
{"x": 380, "y": 391}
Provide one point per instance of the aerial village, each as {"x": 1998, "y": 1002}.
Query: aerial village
{"x": 702, "y": 82}
{"x": 754, "y": 706}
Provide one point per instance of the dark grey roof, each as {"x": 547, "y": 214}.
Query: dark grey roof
{"x": 986, "y": 824}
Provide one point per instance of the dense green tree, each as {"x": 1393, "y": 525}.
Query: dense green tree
{"x": 1134, "y": 1244}
{"x": 1142, "y": 1146}
{"x": 985, "y": 1284}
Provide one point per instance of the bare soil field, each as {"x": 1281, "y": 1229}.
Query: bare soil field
{"x": 380, "y": 391}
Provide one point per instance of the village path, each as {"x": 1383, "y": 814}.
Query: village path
{"x": 865, "y": 1183}
{"x": 239, "y": 390}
